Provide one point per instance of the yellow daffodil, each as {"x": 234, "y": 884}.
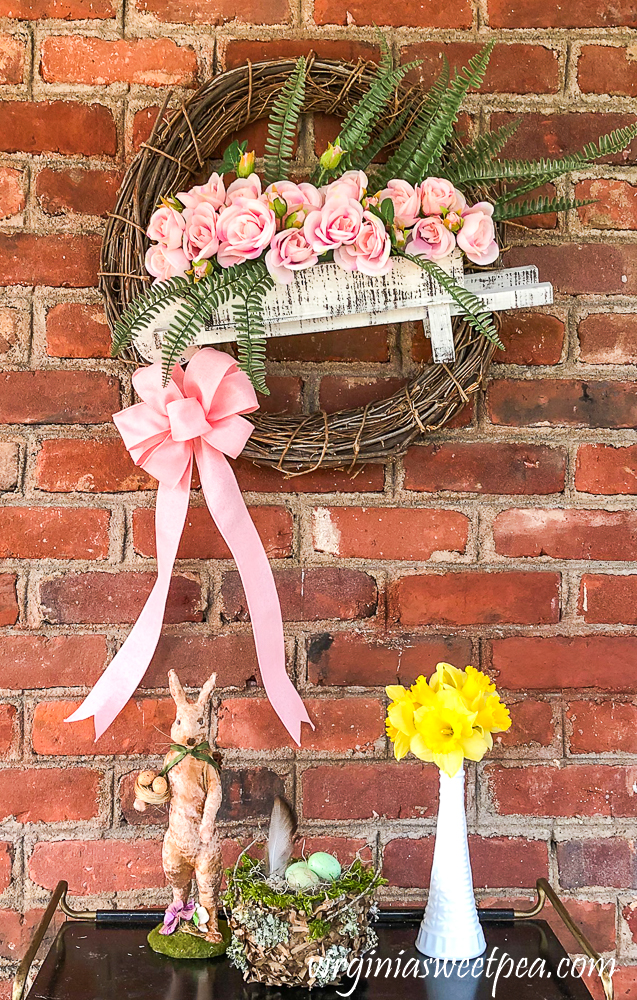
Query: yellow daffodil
{"x": 400, "y": 721}
{"x": 446, "y": 675}
{"x": 445, "y": 733}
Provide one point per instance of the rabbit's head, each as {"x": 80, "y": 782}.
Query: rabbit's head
{"x": 190, "y": 726}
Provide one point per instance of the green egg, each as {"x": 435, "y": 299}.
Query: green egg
{"x": 300, "y": 876}
{"x": 325, "y": 866}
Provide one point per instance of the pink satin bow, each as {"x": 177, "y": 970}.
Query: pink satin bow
{"x": 196, "y": 416}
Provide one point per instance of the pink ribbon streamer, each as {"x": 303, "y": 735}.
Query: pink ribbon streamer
{"x": 196, "y": 416}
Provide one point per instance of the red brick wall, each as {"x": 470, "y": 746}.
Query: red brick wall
{"x": 506, "y": 541}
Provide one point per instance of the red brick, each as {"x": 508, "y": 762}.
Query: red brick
{"x": 201, "y": 538}
{"x": 53, "y": 533}
{"x": 608, "y": 339}
{"x": 285, "y": 395}
{"x": 57, "y": 127}
{"x": 551, "y": 790}
{"x": 114, "y": 598}
{"x": 12, "y": 55}
{"x": 524, "y": 403}
{"x": 607, "y": 69}
{"x": 9, "y": 455}
{"x": 152, "y": 62}
{"x": 566, "y": 534}
{"x": 615, "y": 205}
{"x": 67, "y": 10}
{"x": 608, "y": 599}
{"x": 8, "y": 601}
{"x": 346, "y": 658}
{"x": 238, "y": 51}
{"x": 555, "y": 135}
{"x": 135, "y": 730}
{"x": 77, "y": 191}
{"x": 12, "y": 197}
{"x": 309, "y": 595}
{"x": 77, "y": 330}
{"x": 61, "y": 260}
{"x": 368, "y": 791}
{"x": 57, "y": 397}
{"x": 478, "y": 599}
{"x": 341, "y": 392}
{"x": 217, "y": 12}
{"x": 563, "y": 662}
{"x": 532, "y": 338}
{"x": 513, "y": 69}
{"x": 426, "y": 14}
{"x": 6, "y": 858}
{"x": 8, "y": 715}
{"x": 388, "y": 532}
{"x": 346, "y": 849}
{"x": 347, "y": 724}
{"x": 570, "y": 14}
{"x": 485, "y": 468}
{"x": 9, "y": 329}
{"x": 143, "y": 123}
{"x": 261, "y": 479}
{"x": 496, "y": 862}
{"x": 369, "y": 344}
{"x": 36, "y": 662}
{"x": 582, "y": 268}
{"x": 95, "y": 867}
{"x": 233, "y": 657}
{"x": 602, "y": 726}
{"x": 49, "y": 795}
{"x": 17, "y": 930}
{"x": 605, "y": 470}
{"x": 532, "y": 726}
{"x": 65, "y": 465}
{"x": 604, "y": 862}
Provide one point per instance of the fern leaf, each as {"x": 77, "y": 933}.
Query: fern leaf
{"x": 536, "y": 206}
{"x": 282, "y": 125}
{"x": 362, "y": 160}
{"x": 247, "y": 310}
{"x": 359, "y": 124}
{"x": 483, "y": 149}
{"x": 473, "y": 310}
{"x": 144, "y": 309}
{"x": 441, "y": 127}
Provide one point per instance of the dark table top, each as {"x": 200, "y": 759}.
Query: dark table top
{"x": 89, "y": 962}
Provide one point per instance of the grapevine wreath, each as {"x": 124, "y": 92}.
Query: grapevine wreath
{"x": 413, "y": 129}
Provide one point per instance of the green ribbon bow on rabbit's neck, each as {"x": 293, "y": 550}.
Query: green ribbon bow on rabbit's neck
{"x": 200, "y": 752}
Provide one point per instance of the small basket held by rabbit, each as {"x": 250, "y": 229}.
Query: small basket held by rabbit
{"x": 190, "y": 781}
{"x": 300, "y": 923}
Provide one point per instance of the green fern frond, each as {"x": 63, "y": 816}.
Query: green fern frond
{"x": 472, "y": 308}
{"x": 417, "y": 129}
{"x": 441, "y": 127}
{"x": 536, "y": 206}
{"x": 362, "y": 160}
{"x": 144, "y": 309}
{"x": 483, "y": 149}
{"x": 282, "y": 125}
{"x": 247, "y": 308}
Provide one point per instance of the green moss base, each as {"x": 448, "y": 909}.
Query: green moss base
{"x": 181, "y": 945}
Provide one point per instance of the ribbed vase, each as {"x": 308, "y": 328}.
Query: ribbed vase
{"x": 450, "y": 928}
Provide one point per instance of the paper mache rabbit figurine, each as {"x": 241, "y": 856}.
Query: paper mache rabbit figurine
{"x": 191, "y": 843}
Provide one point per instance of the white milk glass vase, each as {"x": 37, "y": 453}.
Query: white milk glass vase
{"x": 450, "y": 928}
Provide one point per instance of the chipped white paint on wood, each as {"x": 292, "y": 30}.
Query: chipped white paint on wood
{"x": 325, "y": 297}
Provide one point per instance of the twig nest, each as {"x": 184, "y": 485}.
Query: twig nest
{"x": 150, "y": 789}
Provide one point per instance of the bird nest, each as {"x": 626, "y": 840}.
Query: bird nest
{"x": 282, "y": 937}
{"x": 178, "y": 154}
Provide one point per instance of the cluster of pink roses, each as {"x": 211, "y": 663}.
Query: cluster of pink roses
{"x": 296, "y": 224}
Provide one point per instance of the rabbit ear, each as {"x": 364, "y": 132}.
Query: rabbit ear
{"x": 176, "y": 689}
{"x": 207, "y": 690}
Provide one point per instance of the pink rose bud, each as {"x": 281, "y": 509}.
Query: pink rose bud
{"x": 246, "y": 164}
{"x": 452, "y": 221}
{"x": 166, "y": 226}
{"x": 200, "y": 269}
{"x": 338, "y": 222}
{"x": 369, "y": 253}
{"x": 163, "y": 263}
{"x": 477, "y": 236}
{"x": 200, "y": 237}
{"x": 438, "y": 195}
{"x": 430, "y": 239}
{"x": 332, "y": 156}
{"x": 213, "y": 191}
{"x": 289, "y": 252}
{"x": 405, "y": 199}
{"x": 244, "y": 230}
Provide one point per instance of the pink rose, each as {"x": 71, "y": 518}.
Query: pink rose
{"x": 369, "y": 253}
{"x": 244, "y": 187}
{"x": 289, "y": 251}
{"x": 338, "y": 222}
{"x": 213, "y": 191}
{"x": 405, "y": 199}
{"x": 163, "y": 263}
{"x": 244, "y": 230}
{"x": 200, "y": 238}
{"x": 477, "y": 236}
{"x": 429, "y": 238}
{"x": 166, "y": 226}
{"x": 352, "y": 184}
{"x": 438, "y": 195}
{"x": 299, "y": 199}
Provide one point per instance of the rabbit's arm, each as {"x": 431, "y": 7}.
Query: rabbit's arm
{"x": 211, "y": 807}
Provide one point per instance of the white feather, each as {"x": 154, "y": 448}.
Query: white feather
{"x": 280, "y": 837}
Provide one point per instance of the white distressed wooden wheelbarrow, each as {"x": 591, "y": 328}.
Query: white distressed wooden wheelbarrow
{"x": 325, "y": 297}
